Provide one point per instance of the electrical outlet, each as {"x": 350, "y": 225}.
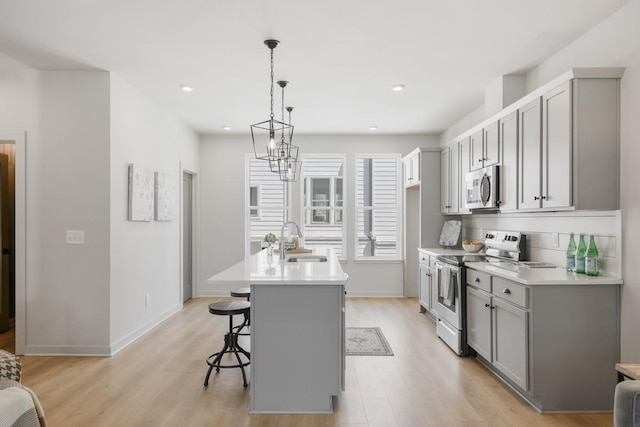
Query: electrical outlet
{"x": 556, "y": 240}
{"x": 146, "y": 300}
{"x": 74, "y": 237}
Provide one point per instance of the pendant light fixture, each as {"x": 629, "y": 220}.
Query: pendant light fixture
{"x": 286, "y": 162}
{"x": 264, "y": 134}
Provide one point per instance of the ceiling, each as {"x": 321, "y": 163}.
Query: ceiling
{"x": 341, "y": 57}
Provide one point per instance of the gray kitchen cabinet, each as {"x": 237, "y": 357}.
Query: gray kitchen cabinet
{"x": 485, "y": 147}
{"x": 510, "y": 341}
{"x": 411, "y": 169}
{"x": 546, "y": 339}
{"x": 450, "y": 179}
{"x": 465, "y": 167}
{"x": 568, "y": 147}
{"x": 428, "y": 290}
{"x": 479, "y": 322}
{"x": 508, "y": 126}
{"x": 425, "y": 282}
{"x": 530, "y": 157}
{"x": 496, "y": 327}
{"x": 422, "y": 219}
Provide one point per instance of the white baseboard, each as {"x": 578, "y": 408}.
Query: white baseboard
{"x": 76, "y": 350}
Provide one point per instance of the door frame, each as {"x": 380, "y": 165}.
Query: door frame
{"x": 18, "y": 137}
{"x": 194, "y": 233}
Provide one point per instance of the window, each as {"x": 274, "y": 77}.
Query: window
{"x": 378, "y": 225}
{"x": 322, "y": 182}
{"x": 264, "y": 201}
{"x": 254, "y": 201}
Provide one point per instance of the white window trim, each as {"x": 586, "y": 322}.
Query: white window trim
{"x": 399, "y": 217}
{"x": 345, "y": 166}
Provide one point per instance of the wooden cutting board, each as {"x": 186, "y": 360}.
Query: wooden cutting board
{"x": 295, "y": 251}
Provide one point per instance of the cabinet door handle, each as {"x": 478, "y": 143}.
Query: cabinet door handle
{"x": 506, "y": 291}
{"x": 480, "y": 160}
{"x": 493, "y": 307}
{"x": 536, "y": 198}
{"x": 544, "y": 197}
{"x": 477, "y": 280}
{"x": 487, "y": 305}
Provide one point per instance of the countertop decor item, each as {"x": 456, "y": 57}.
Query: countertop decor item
{"x": 450, "y": 233}
{"x": 472, "y": 246}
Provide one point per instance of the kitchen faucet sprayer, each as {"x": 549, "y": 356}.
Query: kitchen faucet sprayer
{"x": 282, "y": 246}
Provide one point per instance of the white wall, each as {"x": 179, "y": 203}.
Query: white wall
{"x": 66, "y": 118}
{"x": 145, "y": 256}
{"x": 222, "y": 205}
{"x": 613, "y": 43}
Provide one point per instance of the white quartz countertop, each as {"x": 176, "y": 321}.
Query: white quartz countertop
{"x": 260, "y": 269}
{"x": 542, "y": 276}
{"x": 447, "y": 251}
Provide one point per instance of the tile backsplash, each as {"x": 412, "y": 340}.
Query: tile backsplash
{"x": 541, "y": 226}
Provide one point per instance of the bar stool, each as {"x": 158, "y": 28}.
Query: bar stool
{"x": 229, "y": 308}
{"x": 243, "y": 293}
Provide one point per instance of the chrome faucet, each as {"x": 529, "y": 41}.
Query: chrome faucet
{"x": 282, "y": 246}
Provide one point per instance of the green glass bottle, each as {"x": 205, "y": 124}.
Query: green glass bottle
{"x": 571, "y": 254}
{"x": 591, "y": 259}
{"x": 580, "y": 255}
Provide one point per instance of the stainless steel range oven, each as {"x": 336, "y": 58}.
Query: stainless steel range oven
{"x": 451, "y": 277}
{"x": 451, "y": 306}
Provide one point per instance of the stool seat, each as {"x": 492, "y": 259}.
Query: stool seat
{"x": 226, "y": 308}
{"x": 241, "y": 293}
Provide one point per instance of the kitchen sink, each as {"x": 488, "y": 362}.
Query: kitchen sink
{"x": 307, "y": 258}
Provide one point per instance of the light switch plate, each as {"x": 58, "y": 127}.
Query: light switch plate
{"x": 75, "y": 237}
{"x": 556, "y": 240}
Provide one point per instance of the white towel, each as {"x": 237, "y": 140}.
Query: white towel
{"x": 445, "y": 280}
{"x": 451, "y": 288}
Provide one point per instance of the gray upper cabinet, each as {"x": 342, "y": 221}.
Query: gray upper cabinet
{"x": 411, "y": 167}
{"x": 530, "y": 158}
{"x": 509, "y": 169}
{"x": 558, "y": 147}
{"x": 485, "y": 147}
{"x": 465, "y": 164}
{"x": 450, "y": 179}
{"x": 568, "y": 147}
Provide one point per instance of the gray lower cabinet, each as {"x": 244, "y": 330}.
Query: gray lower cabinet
{"x": 497, "y": 329}
{"x": 556, "y": 345}
{"x": 510, "y": 341}
{"x": 427, "y": 295}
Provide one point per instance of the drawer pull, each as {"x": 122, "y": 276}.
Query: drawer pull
{"x": 477, "y": 280}
{"x": 506, "y": 291}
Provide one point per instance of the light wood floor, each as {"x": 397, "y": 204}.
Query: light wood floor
{"x": 157, "y": 381}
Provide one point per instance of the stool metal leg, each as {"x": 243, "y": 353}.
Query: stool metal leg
{"x": 230, "y": 346}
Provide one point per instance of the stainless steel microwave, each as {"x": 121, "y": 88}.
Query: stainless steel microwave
{"x": 482, "y": 188}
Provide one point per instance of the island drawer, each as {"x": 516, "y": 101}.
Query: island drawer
{"x": 479, "y": 280}
{"x": 510, "y": 291}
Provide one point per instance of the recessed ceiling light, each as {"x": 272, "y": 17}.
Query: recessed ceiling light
{"x": 226, "y": 127}
{"x": 186, "y": 88}
{"x": 397, "y": 88}
{"x": 373, "y": 127}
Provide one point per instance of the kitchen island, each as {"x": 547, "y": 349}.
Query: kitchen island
{"x": 297, "y": 329}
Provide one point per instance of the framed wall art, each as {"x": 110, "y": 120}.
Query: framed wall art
{"x": 141, "y": 193}
{"x": 165, "y": 192}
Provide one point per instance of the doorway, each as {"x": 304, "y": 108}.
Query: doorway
{"x": 187, "y": 236}
{"x": 13, "y": 240}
